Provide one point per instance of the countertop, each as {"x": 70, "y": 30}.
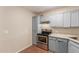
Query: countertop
{"x": 66, "y": 36}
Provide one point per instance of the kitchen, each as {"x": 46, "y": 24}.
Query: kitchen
{"x": 42, "y": 30}
{"x": 59, "y": 28}
{"x": 39, "y": 29}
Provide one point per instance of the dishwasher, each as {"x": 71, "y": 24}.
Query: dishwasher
{"x": 62, "y": 45}
{"x": 73, "y": 47}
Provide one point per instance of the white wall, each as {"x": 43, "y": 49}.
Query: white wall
{"x": 15, "y": 28}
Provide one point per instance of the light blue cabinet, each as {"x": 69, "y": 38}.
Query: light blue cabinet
{"x": 56, "y": 20}
{"x": 75, "y": 18}
{"x": 58, "y": 45}
{"x": 52, "y": 44}
{"x": 39, "y": 18}
{"x": 66, "y": 19}
{"x": 34, "y": 29}
{"x": 73, "y": 47}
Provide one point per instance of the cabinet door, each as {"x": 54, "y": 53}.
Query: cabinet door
{"x": 52, "y": 42}
{"x": 56, "y": 20}
{"x": 42, "y": 18}
{"x": 34, "y": 29}
{"x": 73, "y": 47}
{"x": 75, "y": 18}
{"x": 66, "y": 19}
{"x": 53, "y": 20}
{"x": 59, "y": 20}
{"x": 39, "y": 25}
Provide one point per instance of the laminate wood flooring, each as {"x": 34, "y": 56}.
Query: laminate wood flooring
{"x": 34, "y": 49}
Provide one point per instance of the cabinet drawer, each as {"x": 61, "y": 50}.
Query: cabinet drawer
{"x": 50, "y": 38}
{"x": 43, "y": 46}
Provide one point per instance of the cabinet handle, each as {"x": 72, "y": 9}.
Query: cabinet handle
{"x": 59, "y": 41}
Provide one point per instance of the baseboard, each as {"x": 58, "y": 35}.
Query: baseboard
{"x": 23, "y": 48}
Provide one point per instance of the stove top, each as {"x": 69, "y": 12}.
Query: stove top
{"x": 44, "y": 33}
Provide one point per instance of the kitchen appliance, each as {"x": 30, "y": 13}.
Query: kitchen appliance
{"x": 42, "y": 39}
{"x": 45, "y": 22}
{"x": 62, "y": 45}
{"x": 44, "y": 19}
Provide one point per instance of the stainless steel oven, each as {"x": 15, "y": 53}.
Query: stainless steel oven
{"x": 42, "y": 39}
{"x": 42, "y": 42}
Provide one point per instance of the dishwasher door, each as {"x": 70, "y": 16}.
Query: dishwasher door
{"x": 73, "y": 47}
{"x": 62, "y": 45}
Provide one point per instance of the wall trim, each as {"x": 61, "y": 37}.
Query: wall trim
{"x": 23, "y": 48}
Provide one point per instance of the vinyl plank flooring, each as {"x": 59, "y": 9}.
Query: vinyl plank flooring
{"x": 34, "y": 49}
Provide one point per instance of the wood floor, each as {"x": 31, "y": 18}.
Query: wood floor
{"x": 34, "y": 49}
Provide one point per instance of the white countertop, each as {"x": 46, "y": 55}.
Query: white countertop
{"x": 66, "y": 36}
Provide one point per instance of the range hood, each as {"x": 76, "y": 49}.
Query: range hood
{"x": 44, "y": 22}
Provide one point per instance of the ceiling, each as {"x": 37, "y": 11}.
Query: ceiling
{"x": 38, "y": 9}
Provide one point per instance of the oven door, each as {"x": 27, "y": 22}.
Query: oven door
{"x": 42, "y": 42}
{"x": 42, "y": 39}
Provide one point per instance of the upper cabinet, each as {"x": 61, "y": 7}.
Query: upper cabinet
{"x": 59, "y": 20}
{"x": 56, "y": 20}
{"x": 75, "y": 18}
{"x": 52, "y": 20}
{"x": 39, "y": 25}
{"x": 44, "y": 19}
{"x": 66, "y": 19}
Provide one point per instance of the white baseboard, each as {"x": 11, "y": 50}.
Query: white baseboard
{"x": 23, "y": 48}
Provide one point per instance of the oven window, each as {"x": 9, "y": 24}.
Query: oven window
{"x": 42, "y": 39}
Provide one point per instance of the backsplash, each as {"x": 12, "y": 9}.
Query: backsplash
{"x": 72, "y": 31}
{"x": 45, "y": 26}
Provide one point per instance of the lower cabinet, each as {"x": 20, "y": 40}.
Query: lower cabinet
{"x": 52, "y": 44}
{"x": 73, "y": 47}
{"x": 58, "y": 45}
{"x": 62, "y": 45}
{"x": 34, "y": 40}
